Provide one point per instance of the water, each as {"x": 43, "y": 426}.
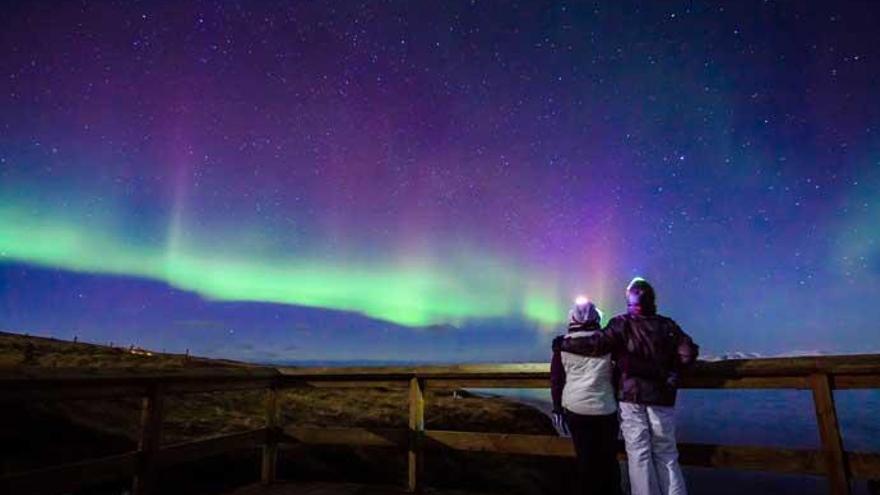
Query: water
{"x": 772, "y": 418}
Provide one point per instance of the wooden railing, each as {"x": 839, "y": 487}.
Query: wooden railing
{"x": 821, "y": 375}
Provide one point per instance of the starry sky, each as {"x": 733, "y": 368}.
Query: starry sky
{"x": 436, "y": 181}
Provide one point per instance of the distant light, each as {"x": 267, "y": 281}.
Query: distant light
{"x": 581, "y": 300}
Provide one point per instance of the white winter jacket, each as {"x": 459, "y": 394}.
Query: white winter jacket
{"x": 588, "y": 389}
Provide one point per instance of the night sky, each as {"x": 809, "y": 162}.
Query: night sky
{"x": 436, "y": 181}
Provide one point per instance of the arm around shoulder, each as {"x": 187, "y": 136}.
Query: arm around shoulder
{"x": 598, "y": 344}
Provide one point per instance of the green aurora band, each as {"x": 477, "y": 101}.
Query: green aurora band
{"x": 408, "y": 293}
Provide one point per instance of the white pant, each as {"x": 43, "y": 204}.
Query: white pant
{"x": 649, "y": 433}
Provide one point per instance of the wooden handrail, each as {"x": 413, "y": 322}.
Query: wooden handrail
{"x": 854, "y": 364}
{"x": 821, "y": 375}
{"x": 134, "y": 382}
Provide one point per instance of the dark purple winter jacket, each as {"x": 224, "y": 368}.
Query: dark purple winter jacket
{"x": 650, "y": 351}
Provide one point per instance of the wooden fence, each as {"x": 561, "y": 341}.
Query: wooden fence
{"x": 821, "y": 375}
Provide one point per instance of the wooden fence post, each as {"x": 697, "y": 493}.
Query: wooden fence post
{"x": 829, "y": 433}
{"x": 150, "y": 440}
{"x": 415, "y": 459}
{"x": 270, "y": 448}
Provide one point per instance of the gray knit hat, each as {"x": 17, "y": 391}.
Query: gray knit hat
{"x": 583, "y": 312}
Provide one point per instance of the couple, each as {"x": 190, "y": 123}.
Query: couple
{"x": 636, "y": 360}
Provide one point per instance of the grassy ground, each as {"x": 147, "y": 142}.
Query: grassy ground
{"x": 190, "y": 416}
{"x": 40, "y": 434}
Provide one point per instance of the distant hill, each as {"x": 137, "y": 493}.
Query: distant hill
{"x": 757, "y": 355}
{"x": 45, "y": 352}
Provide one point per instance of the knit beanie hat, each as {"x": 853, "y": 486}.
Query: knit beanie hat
{"x": 583, "y": 312}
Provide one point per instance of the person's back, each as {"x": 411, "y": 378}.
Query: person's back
{"x": 584, "y": 403}
{"x": 588, "y": 386}
{"x": 653, "y": 351}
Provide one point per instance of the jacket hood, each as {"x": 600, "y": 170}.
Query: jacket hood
{"x": 640, "y": 298}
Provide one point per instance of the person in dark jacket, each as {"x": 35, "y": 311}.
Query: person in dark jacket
{"x": 650, "y": 351}
{"x": 584, "y": 403}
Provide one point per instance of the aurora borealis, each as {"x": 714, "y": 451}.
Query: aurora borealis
{"x": 313, "y": 181}
{"x": 411, "y": 294}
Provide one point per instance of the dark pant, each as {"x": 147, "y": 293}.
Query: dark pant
{"x": 595, "y": 443}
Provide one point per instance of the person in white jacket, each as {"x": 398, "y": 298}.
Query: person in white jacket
{"x": 584, "y": 403}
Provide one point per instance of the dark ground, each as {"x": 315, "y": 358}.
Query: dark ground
{"x": 43, "y": 434}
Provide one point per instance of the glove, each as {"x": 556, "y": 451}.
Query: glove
{"x": 560, "y": 423}
{"x": 557, "y": 343}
